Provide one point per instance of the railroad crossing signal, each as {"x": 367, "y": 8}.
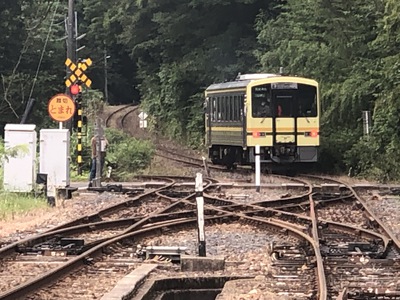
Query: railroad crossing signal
{"x": 78, "y": 72}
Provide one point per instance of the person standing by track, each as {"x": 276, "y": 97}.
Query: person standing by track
{"x": 103, "y": 143}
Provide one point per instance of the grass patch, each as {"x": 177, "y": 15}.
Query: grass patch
{"x": 73, "y": 176}
{"x": 12, "y": 204}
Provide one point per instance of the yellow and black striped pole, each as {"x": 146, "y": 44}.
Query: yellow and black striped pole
{"x": 79, "y": 130}
{"x": 75, "y": 81}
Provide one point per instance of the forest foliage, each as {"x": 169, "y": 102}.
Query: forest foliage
{"x": 165, "y": 53}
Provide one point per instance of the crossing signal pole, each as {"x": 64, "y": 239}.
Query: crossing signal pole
{"x": 76, "y": 91}
{"x": 75, "y": 78}
{"x": 75, "y": 82}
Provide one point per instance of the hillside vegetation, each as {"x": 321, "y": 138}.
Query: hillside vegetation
{"x": 165, "y": 53}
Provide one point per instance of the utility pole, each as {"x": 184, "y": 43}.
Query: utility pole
{"x": 105, "y": 76}
{"x": 71, "y": 36}
{"x": 71, "y": 54}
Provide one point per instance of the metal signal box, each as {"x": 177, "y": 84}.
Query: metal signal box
{"x": 20, "y": 162}
{"x": 55, "y": 158}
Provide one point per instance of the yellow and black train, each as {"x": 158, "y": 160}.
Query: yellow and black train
{"x": 279, "y": 113}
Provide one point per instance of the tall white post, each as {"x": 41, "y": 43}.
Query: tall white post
{"x": 258, "y": 169}
{"x": 200, "y": 213}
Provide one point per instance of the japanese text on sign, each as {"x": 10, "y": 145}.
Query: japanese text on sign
{"x": 61, "y": 108}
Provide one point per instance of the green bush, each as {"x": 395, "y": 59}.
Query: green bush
{"x": 129, "y": 154}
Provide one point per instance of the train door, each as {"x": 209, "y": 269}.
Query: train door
{"x": 242, "y": 117}
{"x": 285, "y": 105}
{"x": 209, "y": 105}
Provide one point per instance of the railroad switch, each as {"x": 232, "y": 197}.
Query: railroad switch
{"x": 176, "y": 194}
{"x": 352, "y": 249}
{"x": 395, "y": 191}
{"x": 287, "y": 255}
{"x": 117, "y": 188}
{"x": 56, "y": 247}
{"x": 168, "y": 253}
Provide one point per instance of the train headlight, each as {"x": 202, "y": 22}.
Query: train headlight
{"x": 313, "y": 133}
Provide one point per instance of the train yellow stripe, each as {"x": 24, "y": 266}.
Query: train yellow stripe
{"x": 226, "y": 91}
{"x": 264, "y": 129}
{"x": 284, "y": 129}
{"x": 226, "y": 128}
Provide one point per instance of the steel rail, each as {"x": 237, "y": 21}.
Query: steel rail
{"x": 109, "y": 117}
{"x": 369, "y": 211}
{"x": 96, "y": 217}
{"x": 79, "y": 261}
{"x": 323, "y": 290}
{"x": 127, "y": 114}
{"x": 339, "y": 226}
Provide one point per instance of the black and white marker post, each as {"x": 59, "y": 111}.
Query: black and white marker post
{"x": 200, "y": 213}
{"x": 258, "y": 168}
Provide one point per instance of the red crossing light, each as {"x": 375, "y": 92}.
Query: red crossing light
{"x": 74, "y": 89}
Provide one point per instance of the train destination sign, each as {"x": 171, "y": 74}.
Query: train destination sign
{"x": 61, "y": 107}
{"x": 284, "y": 86}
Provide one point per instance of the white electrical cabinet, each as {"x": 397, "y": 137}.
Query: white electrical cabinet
{"x": 20, "y": 170}
{"x": 55, "y": 158}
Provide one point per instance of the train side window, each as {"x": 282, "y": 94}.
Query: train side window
{"x": 236, "y": 108}
{"x": 223, "y": 108}
{"x": 213, "y": 109}
{"x": 243, "y": 111}
{"x": 226, "y": 105}
{"x": 232, "y": 108}
{"x": 219, "y": 116}
{"x": 228, "y": 108}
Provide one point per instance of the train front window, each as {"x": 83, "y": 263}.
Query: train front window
{"x": 307, "y": 98}
{"x": 284, "y": 99}
{"x": 261, "y": 101}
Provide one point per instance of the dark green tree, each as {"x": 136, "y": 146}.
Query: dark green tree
{"x": 182, "y": 47}
{"x": 31, "y": 64}
{"x": 333, "y": 42}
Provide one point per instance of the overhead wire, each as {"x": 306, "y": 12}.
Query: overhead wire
{"x": 43, "y": 50}
{"x": 7, "y": 88}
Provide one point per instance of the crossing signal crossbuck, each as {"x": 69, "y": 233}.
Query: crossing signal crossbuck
{"x": 77, "y": 72}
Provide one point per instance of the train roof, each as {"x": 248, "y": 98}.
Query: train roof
{"x": 242, "y": 81}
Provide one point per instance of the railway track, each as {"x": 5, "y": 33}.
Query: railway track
{"x": 117, "y": 118}
{"x": 321, "y": 241}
